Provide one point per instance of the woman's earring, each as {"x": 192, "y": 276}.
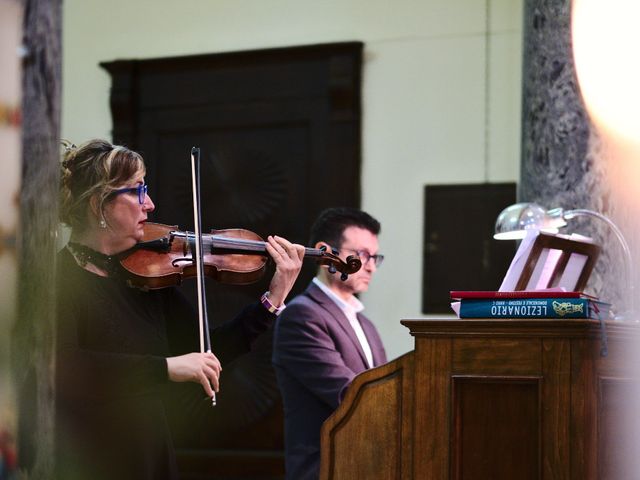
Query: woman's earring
{"x": 103, "y": 224}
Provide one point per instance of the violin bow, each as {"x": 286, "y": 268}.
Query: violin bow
{"x": 203, "y": 321}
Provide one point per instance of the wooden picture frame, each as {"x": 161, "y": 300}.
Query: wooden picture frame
{"x": 551, "y": 261}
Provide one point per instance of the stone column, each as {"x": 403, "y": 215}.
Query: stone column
{"x": 33, "y": 339}
{"x": 563, "y": 163}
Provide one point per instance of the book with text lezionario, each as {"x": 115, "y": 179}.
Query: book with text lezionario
{"x": 533, "y": 307}
{"x": 546, "y": 303}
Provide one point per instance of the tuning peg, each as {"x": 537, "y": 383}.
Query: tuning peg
{"x": 344, "y": 276}
{"x": 332, "y": 268}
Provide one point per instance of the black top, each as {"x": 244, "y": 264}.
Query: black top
{"x": 111, "y": 372}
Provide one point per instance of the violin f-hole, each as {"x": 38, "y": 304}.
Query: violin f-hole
{"x": 176, "y": 261}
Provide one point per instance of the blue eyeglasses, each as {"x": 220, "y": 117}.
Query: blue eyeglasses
{"x": 365, "y": 256}
{"x": 141, "y": 190}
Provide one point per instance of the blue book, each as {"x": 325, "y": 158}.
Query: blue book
{"x": 533, "y": 308}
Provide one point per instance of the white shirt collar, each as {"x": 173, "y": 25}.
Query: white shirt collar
{"x": 352, "y": 304}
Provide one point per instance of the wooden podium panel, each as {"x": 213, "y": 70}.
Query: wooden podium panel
{"x": 382, "y": 421}
{"x": 495, "y": 428}
{"x": 498, "y": 399}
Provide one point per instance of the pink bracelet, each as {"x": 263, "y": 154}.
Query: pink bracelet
{"x": 266, "y": 303}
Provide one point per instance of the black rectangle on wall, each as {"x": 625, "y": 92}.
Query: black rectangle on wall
{"x": 459, "y": 251}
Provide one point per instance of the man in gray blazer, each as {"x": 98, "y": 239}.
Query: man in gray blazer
{"x": 322, "y": 340}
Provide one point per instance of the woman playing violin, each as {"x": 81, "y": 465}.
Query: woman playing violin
{"x": 115, "y": 357}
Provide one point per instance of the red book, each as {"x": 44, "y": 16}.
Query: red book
{"x": 461, "y": 294}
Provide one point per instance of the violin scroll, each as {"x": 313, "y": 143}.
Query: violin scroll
{"x": 336, "y": 264}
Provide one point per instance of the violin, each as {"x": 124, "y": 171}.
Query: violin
{"x": 165, "y": 256}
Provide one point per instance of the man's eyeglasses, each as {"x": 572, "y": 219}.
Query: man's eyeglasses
{"x": 141, "y": 190}
{"x": 365, "y": 256}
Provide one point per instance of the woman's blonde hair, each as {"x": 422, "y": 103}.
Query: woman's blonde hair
{"x": 94, "y": 169}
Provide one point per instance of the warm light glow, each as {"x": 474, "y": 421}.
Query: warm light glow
{"x": 606, "y": 38}
{"x": 605, "y": 43}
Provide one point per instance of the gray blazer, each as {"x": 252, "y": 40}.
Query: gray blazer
{"x": 316, "y": 355}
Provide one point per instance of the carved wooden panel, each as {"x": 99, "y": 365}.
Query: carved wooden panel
{"x": 488, "y": 356}
{"x": 496, "y": 428}
{"x": 558, "y": 438}
{"x": 379, "y": 429}
{"x": 387, "y": 432}
{"x": 432, "y": 400}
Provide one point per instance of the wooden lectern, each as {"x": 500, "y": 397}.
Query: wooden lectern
{"x": 494, "y": 399}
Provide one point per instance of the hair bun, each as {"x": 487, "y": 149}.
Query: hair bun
{"x": 70, "y": 150}
{"x": 68, "y": 146}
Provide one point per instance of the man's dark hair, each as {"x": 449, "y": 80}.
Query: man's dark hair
{"x": 332, "y": 222}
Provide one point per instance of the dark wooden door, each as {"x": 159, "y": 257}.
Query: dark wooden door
{"x": 279, "y": 132}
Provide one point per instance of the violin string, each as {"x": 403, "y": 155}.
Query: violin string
{"x": 234, "y": 243}
{"x": 251, "y": 245}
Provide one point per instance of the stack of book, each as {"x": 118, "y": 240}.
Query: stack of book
{"x": 528, "y": 304}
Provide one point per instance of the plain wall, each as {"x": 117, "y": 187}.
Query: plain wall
{"x": 441, "y": 97}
